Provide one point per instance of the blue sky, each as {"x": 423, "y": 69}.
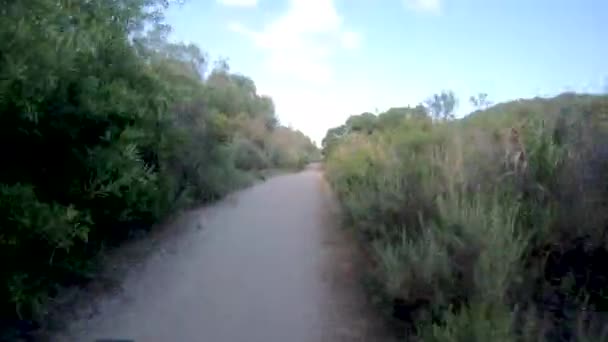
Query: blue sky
{"x": 323, "y": 60}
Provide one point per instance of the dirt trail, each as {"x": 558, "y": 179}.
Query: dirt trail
{"x": 267, "y": 264}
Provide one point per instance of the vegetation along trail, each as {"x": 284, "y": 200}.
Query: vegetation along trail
{"x": 264, "y": 265}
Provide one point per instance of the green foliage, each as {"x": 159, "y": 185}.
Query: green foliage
{"x": 365, "y": 122}
{"x": 468, "y": 247}
{"x": 291, "y": 149}
{"x": 106, "y": 129}
{"x": 248, "y": 156}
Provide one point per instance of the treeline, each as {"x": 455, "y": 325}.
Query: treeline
{"x": 106, "y": 128}
{"x": 488, "y": 228}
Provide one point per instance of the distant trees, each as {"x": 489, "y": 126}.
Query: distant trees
{"x": 333, "y": 136}
{"x": 395, "y": 115}
{"x": 480, "y": 101}
{"x": 368, "y": 123}
{"x": 365, "y": 122}
{"x": 441, "y": 106}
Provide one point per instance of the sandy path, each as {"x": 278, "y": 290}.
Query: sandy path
{"x": 267, "y": 264}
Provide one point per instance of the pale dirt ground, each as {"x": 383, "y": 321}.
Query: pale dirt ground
{"x": 266, "y": 264}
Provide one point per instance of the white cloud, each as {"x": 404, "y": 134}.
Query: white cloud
{"x": 239, "y": 3}
{"x": 239, "y": 28}
{"x": 299, "y": 49}
{"x": 351, "y": 40}
{"x": 430, "y": 6}
{"x": 301, "y": 42}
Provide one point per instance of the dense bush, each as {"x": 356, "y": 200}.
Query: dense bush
{"x": 249, "y": 156}
{"x": 488, "y": 228}
{"x": 106, "y": 128}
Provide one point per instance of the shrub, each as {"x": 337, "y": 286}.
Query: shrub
{"x": 468, "y": 247}
{"x": 248, "y": 156}
{"x": 106, "y": 129}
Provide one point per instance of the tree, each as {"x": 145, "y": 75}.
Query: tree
{"x": 365, "y": 122}
{"x": 333, "y": 136}
{"x": 480, "y": 102}
{"x": 441, "y": 106}
{"x": 395, "y": 115}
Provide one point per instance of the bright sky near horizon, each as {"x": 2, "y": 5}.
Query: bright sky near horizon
{"x": 323, "y": 60}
